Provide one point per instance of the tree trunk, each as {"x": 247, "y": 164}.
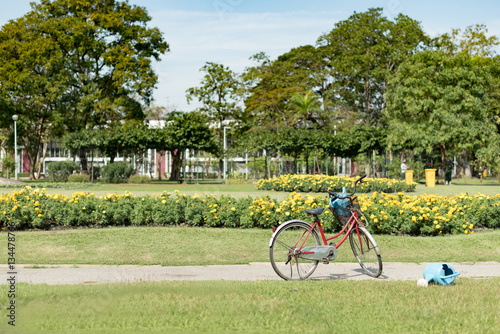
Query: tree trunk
{"x": 161, "y": 157}
{"x": 84, "y": 162}
{"x": 32, "y": 165}
{"x": 443, "y": 155}
{"x": 307, "y": 162}
{"x": 221, "y": 168}
{"x": 40, "y": 163}
{"x": 176, "y": 165}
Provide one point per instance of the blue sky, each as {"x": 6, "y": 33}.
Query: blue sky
{"x": 230, "y": 31}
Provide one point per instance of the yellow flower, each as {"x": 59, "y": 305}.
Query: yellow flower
{"x": 375, "y": 220}
{"x": 176, "y": 191}
{"x": 213, "y": 211}
{"x": 233, "y": 209}
{"x": 251, "y": 213}
{"x": 164, "y": 201}
{"x": 287, "y": 213}
{"x": 471, "y": 226}
{"x": 104, "y": 212}
{"x": 39, "y": 216}
{"x": 438, "y": 226}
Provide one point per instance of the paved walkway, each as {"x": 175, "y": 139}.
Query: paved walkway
{"x": 95, "y": 274}
{"x": 10, "y": 181}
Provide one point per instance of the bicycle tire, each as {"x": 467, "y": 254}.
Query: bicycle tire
{"x": 366, "y": 249}
{"x": 292, "y": 268}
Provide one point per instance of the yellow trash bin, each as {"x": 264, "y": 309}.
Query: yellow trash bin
{"x": 485, "y": 173}
{"x": 409, "y": 176}
{"x": 430, "y": 177}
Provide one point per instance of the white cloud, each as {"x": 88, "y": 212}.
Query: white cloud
{"x": 198, "y": 37}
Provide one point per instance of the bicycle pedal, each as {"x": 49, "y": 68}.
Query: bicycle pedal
{"x": 325, "y": 260}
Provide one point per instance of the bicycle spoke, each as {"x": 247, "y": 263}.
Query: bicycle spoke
{"x": 288, "y": 265}
{"x": 283, "y": 244}
{"x": 365, "y": 250}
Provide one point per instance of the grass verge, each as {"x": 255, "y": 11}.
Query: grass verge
{"x": 467, "y": 306}
{"x": 244, "y": 190}
{"x": 173, "y": 246}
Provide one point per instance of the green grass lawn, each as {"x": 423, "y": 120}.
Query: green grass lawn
{"x": 467, "y": 306}
{"x": 471, "y": 186}
{"x": 206, "y": 246}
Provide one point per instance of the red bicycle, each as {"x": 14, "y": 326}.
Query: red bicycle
{"x": 296, "y": 247}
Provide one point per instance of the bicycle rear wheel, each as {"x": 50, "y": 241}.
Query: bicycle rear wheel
{"x": 287, "y": 239}
{"x": 365, "y": 249}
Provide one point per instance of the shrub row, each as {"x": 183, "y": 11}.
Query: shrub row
{"x": 321, "y": 183}
{"x": 387, "y": 214}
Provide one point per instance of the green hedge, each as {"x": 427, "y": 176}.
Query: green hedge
{"x": 388, "y": 214}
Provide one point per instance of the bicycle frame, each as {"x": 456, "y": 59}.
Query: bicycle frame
{"x": 353, "y": 222}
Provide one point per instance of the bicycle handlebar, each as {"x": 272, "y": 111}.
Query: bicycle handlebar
{"x": 334, "y": 194}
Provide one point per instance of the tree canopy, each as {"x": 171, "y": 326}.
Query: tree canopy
{"x": 71, "y": 64}
{"x": 437, "y": 100}
{"x": 362, "y": 52}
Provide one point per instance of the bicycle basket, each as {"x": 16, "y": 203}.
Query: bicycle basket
{"x": 342, "y": 212}
{"x": 355, "y": 202}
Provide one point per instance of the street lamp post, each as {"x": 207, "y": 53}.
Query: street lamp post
{"x": 335, "y": 155}
{"x": 15, "y": 118}
{"x": 225, "y": 160}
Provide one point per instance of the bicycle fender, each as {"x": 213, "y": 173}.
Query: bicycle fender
{"x": 282, "y": 226}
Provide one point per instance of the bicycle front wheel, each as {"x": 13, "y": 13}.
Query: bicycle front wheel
{"x": 281, "y": 252}
{"x": 365, "y": 248}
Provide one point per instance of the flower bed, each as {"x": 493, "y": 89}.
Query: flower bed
{"x": 387, "y": 213}
{"x": 321, "y": 183}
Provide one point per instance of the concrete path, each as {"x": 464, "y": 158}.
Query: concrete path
{"x": 95, "y": 274}
{"x": 11, "y": 181}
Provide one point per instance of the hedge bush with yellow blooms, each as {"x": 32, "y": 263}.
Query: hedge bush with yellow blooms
{"x": 386, "y": 213}
{"x": 430, "y": 214}
{"x": 321, "y": 183}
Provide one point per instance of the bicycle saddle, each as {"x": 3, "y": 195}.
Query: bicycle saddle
{"x": 314, "y": 212}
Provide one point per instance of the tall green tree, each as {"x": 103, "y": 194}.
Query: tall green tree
{"x": 475, "y": 42}
{"x": 188, "y": 130}
{"x": 32, "y": 84}
{"x": 438, "y": 101}
{"x": 219, "y": 93}
{"x": 92, "y": 60}
{"x": 362, "y": 53}
{"x": 271, "y": 85}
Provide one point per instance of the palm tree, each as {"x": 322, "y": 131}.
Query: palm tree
{"x": 307, "y": 109}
